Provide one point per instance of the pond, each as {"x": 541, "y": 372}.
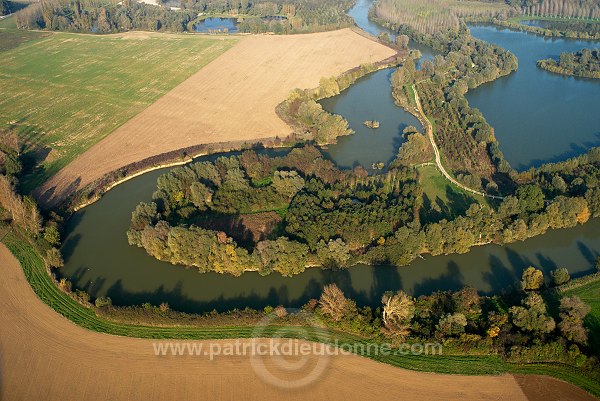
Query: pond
{"x": 538, "y": 116}
{"x": 217, "y": 25}
{"x": 370, "y": 98}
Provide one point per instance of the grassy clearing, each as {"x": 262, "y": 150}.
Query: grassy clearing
{"x": 42, "y": 284}
{"x": 65, "y": 92}
{"x": 10, "y": 39}
{"x": 442, "y": 198}
{"x": 8, "y": 23}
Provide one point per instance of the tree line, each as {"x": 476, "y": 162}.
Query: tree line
{"x": 109, "y": 17}
{"x": 437, "y": 16}
{"x": 584, "y": 63}
{"x": 533, "y": 324}
{"x": 21, "y": 211}
{"x": 559, "y": 8}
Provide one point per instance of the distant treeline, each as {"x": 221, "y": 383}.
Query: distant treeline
{"x": 571, "y": 28}
{"x": 107, "y": 17}
{"x": 436, "y": 16}
{"x": 440, "y": 17}
{"x": 585, "y": 63}
{"x": 559, "y": 8}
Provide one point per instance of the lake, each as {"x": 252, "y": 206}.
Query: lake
{"x": 370, "y": 98}
{"x": 538, "y": 116}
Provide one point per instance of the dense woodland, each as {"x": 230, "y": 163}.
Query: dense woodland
{"x": 333, "y": 218}
{"x": 437, "y": 16}
{"x": 326, "y": 213}
{"x": 527, "y": 326}
{"x": 585, "y": 63}
{"x": 424, "y": 20}
{"x": 110, "y": 16}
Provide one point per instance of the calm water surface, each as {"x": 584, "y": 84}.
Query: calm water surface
{"x": 229, "y": 25}
{"x": 538, "y": 116}
{"x": 370, "y": 98}
{"x": 98, "y": 259}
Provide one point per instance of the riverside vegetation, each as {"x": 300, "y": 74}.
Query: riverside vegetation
{"x": 585, "y": 63}
{"x": 332, "y": 218}
{"x": 534, "y": 331}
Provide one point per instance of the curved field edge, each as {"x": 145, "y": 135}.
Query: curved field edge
{"x": 45, "y": 288}
{"x": 94, "y": 191}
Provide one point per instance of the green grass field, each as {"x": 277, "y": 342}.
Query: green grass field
{"x": 48, "y": 292}
{"x": 447, "y": 200}
{"x": 65, "y": 92}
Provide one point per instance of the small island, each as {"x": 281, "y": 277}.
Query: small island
{"x": 585, "y": 63}
{"x": 373, "y": 124}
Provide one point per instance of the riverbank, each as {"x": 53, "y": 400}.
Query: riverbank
{"x": 87, "y": 351}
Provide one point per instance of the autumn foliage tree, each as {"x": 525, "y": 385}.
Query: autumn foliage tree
{"x": 333, "y": 303}
{"x": 398, "y": 311}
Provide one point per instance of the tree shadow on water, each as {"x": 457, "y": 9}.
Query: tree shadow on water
{"x": 451, "y": 279}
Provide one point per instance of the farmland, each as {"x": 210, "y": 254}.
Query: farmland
{"x": 64, "y": 92}
{"x": 232, "y": 99}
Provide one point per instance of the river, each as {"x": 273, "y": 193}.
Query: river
{"x": 99, "y": 260}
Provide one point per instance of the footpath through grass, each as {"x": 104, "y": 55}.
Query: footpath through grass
{"x": 64, "y": 92}
{"x": 48, "y": 292}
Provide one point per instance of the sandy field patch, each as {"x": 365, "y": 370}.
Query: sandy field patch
{"x": 231, "y": 99}
{"x": 43, "y": 356}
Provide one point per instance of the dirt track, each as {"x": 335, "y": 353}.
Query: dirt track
{"x": 231, "y": 99}
{"x": 43, "y": 356}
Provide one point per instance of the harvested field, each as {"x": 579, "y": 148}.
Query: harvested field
{"x": 231, "y": 99}
{"x": 45, "y": 356}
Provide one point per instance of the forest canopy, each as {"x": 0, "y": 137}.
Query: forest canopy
{"x": 312, "y": 214}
